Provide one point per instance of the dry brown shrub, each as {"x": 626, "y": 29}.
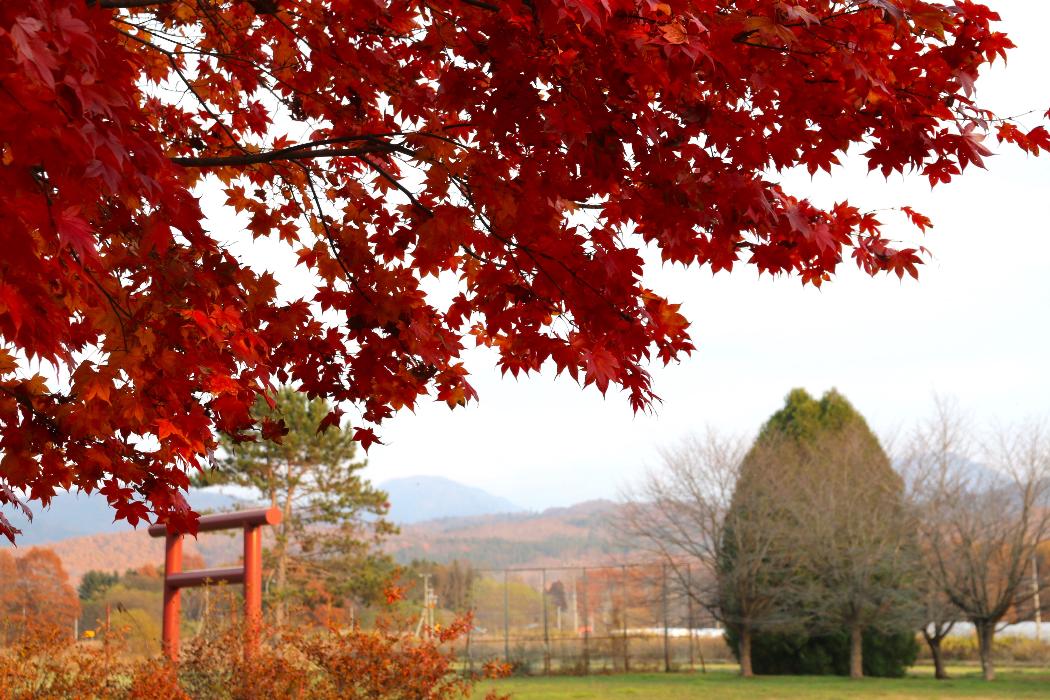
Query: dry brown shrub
{"x": 322, "y": 663}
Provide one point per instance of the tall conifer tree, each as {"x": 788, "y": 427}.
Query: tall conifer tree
{"x": 843, "y": 517}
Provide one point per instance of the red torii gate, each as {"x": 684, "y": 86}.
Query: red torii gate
{"x": 175, "y": 579}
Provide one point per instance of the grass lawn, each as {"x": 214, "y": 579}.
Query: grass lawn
{"x": 723, "y": 683}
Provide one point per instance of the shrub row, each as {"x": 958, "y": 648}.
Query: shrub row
{"x": 1020, "y": 650}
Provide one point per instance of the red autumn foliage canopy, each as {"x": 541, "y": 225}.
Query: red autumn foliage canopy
{"x": 525, "y": 148}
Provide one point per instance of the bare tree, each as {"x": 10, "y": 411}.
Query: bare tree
{"x": 691, "y": 514}
{"x": 939, "y": 615}
{"x": 929, "y": 459}
{"x": 985, "y": 509}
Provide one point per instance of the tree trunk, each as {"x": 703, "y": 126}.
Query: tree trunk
{"x": 985, "y": 637}
{"x": 934, "y": 642}
{"x": 856, "y": 650}
{"x": 281, "y": 574}
{"x": 205, "y": 614}
{"x": 745, "y": 653}
{"x": 280, "y": 578}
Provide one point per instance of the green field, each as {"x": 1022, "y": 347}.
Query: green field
{"x": 718, "y": 684}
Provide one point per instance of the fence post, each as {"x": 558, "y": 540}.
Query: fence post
{"x": 506, "y": 620}
{"x": 586, "y": 628}
{"x": 623, "y": 593}
{"x": 689, "y": 614}
{"x": 667, "y": 638}
{"x": 546, "y": 627}
{"x": 472, "y": 606}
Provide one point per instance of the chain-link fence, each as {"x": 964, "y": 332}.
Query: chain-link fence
{"x": 598, "y": 619}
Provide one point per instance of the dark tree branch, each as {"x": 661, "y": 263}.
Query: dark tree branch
{"x": 292, "y": 153}
{"x": 397, "y": 183}
{"x": 127, "y": 4}
{"x": 481, "y": 4}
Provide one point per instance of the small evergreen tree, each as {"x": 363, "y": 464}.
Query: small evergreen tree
{"x": 96, "y": 582}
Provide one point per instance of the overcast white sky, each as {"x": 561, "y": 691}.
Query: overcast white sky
{"x": 974, "y": 326}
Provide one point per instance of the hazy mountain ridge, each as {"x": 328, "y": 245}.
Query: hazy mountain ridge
{"x": 973, "y": 473}
{"x": 580, "y": 534}
{"x": 78, "y": 515}
{"x": 120, "y": 551}
{"x": 584, "y": 533}
{"x": 415, "y": 499}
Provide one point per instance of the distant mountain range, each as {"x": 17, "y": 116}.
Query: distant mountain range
{"x": 413, "y": 499}
{"x": 132, "y": 549}
{"x": 440, "y": 519}
{"x": 580, "y": 534}
{"x": 78, "y": 515}
{"x": 585, "y": 533}
{"x": 416, "y": 499}
{"x": 970, "y": 472}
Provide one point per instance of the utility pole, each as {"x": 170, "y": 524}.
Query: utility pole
{"x": 623, "y": 593}
{"x": 426, "y": 616}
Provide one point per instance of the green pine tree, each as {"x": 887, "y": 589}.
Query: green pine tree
{"x": 326, "y": 547}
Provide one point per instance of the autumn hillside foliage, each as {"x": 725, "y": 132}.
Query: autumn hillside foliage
{"x": 526, "y": 150}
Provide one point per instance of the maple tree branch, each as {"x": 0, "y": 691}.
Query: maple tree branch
{"x": 481, "y": 4}
{"x": 397, "y": 183}
{"x": 464, "y": 188}
{"x": 510, "y": 243}
{"x": 336, "y": 252}
{"x": 24, "y": 400}
{"x": 127, "y": 4}
{"x": 189, "y": 50}
{"x": 322, "y": 218}
{"x": 173, "y": 61}
{"x": 445, "y": 139}
{"x": 83, "y": 268}
{"x": 293, "y": 153}
{"x": 480, "y": 258}
{"x": 120, "y": 312}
